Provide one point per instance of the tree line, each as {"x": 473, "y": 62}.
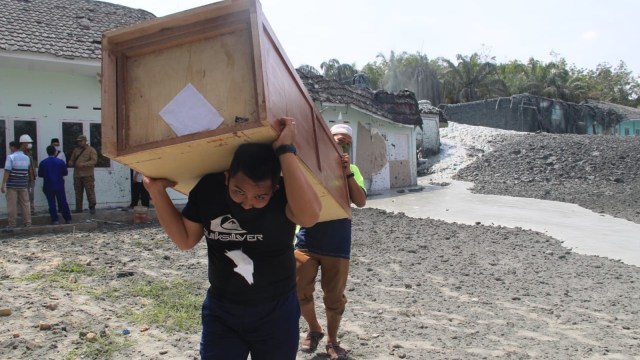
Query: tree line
{"x": 477, "y": 77}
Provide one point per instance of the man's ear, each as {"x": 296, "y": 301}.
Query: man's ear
{"x": 276, "y": 187}
{"x": 226, "y": 178}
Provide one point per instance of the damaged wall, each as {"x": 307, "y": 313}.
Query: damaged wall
{"x": 371, "y": 152}
{"x": 529, "y": 113}
{"x": 384, "y": 157}
{"x": 520, "y": 113}
{"x": 384, "y": 151}
{"x": 399, "y": 152}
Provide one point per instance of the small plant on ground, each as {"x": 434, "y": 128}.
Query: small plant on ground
{"x": 108, "y": 345}
{"x": 173, "y": 305}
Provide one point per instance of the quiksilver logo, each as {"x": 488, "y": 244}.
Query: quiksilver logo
{"x": 226, "y": 228}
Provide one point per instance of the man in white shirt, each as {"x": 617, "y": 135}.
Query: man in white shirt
{"x": 55, "y": 142}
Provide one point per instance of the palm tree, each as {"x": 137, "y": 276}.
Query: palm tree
{"x": 308, "y": 70}
{"x": 329, "y": 68}
{"x": 513, "y": 74}
{"x": 472, "y": 79}
{"x": 342, "y": 73}
{"x": 538, "y": 76}
{"x": 375, "y": 73}
{"x": 345, "y": 73}
{"x": 553, "y": 80}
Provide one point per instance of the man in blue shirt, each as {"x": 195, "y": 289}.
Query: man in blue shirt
{"x": 53, "y": 171}
{"x": 14, "y": 184}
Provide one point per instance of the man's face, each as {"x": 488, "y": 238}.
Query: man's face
{"x": 82, "y": 143}
{"x": 344, "y": 141}
{"x": 55, "y": 144}
{"x": 248, "y": 193}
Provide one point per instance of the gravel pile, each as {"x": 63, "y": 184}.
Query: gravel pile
{"x": 601, "y": 173}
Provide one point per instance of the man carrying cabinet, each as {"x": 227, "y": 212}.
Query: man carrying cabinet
{"x": 247, "y": 215}
{"x": 327, "y": 246}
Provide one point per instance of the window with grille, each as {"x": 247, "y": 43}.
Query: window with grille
{"x": 71, "y": 131}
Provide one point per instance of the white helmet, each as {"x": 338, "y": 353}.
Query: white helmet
{"x": 25, "y": 139}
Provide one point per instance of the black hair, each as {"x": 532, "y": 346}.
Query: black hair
{"x": 55, "y": 140}
{"x": 51, "y": 150}
{"x": 14, "y": 144}
{"x": 257, "y": 161}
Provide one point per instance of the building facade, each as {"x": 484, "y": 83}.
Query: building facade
{"x": 383, "y": 150}
{"x": 50, "y": 84}
{"x": 384, "y": 126}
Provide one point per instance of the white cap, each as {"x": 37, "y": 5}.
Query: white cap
{"x": 25, "y": 139}
{"x": 341, "y": 129}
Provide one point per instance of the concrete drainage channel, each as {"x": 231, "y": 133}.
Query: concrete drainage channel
{"x": 80, "y": 222}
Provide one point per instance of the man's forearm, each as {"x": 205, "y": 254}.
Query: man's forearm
{"x": 356, "y": 193}
{"x": 171, "y": 219}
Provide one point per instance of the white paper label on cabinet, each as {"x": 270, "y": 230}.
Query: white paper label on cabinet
{"x": 189, "y": 112}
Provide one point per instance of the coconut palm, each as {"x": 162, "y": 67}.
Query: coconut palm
{"x": 553, "y": 80}
{"x": 513, "y": 74}
{"x": 375, "y": 73}
{"x": 329, "y": 67}
{"x": 308, "y": 70}
{"x": 342, "y": 73}
{"x": 472, "y": 79}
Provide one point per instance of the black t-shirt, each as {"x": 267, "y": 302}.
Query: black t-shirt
{"x": 250, "y": 252}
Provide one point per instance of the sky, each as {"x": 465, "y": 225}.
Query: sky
{"x": 586, "y": 32}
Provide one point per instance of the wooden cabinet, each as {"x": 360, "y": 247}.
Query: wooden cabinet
{"x": 221, "y": 62}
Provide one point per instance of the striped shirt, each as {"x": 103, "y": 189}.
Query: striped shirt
{"x": 18, "y": 166}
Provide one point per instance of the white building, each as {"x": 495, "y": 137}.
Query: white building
{"x": 384, "y": 129}
{"x": 49, "y": 83}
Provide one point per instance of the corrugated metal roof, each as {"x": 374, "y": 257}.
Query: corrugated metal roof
{"x": 70, "y": 29}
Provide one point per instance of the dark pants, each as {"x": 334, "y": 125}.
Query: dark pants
{"x": 59, "y": 197}
{"x": 269, "y": 331}
{"x": 138, "y": 192}
{"x": 82, "y": 183}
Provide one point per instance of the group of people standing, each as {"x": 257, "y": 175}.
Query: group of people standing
{"x": 20, "y": 176}
{"x": 260, "y": 283}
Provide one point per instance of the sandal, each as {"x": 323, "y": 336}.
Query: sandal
{"x": 336, "y": 352}
{"x": 310, "y": 343}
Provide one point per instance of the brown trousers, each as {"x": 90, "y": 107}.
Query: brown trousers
{"x": 82, "y": 184}
{"x": 15, "y": 197}
{"x": 333, "y": 280}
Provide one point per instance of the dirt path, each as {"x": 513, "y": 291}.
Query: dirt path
{"x": 419, "y": 289}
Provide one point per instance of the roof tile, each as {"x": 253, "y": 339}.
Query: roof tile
{"x": 67, "y": 28}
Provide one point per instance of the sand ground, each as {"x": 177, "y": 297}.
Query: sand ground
{"x": 418, "y": 289}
